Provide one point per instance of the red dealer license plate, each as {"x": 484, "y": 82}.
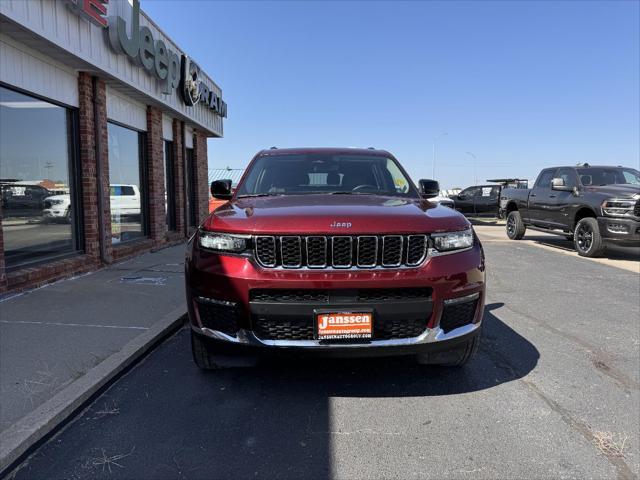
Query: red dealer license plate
{"x": 344, "y": 325}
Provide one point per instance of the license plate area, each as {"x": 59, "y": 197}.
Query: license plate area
{"x": 343, "y": 326}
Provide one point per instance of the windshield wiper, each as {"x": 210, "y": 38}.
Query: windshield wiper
{"x": 251, "y": 195}
{"x": 351, "y": 193}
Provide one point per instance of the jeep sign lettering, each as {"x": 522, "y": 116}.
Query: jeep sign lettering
{"x": 153, "y": 55}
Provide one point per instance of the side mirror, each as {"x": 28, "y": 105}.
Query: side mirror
{"x": 429, "y": 188}
{"x": 558, "y": 184}
{"x": 221, "y": 189}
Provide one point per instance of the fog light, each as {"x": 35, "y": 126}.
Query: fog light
{"x": 617, "y": 228}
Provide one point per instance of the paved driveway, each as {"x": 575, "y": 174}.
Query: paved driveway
{"x": 553, "y": 393}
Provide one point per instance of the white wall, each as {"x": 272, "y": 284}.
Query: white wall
{"x": 125, "y": 110}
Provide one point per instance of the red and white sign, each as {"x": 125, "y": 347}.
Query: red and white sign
{"x": 344, "y": 325}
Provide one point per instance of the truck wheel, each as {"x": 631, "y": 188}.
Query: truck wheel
{"x": 201, "y": 352}
{"x": 515, "y": 227}
{"x": 455, "y": 358}
{"x": 587, "y": 239}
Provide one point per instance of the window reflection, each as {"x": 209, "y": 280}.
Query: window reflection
{"x": 36, "y": 191}
{"x": 126, "y": 188}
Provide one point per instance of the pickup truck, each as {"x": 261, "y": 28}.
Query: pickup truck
{"x": 333, "y": 252}
{"x": 590, "y": 205}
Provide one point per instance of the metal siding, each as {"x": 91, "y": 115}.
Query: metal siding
{"x": 188, "y": 137}
{"x": 29, "y": 70}
{"x": 124, "y": 110}
{"x": 56, "y": 23}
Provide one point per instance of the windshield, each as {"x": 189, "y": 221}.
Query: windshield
{"x": 323, "y": 173}
{"x": 608, "y": 176}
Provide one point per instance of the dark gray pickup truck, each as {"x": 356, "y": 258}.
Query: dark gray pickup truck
{"x": 591, "y": 205}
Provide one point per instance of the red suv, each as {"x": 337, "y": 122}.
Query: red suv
{"x": 333, "y": 252}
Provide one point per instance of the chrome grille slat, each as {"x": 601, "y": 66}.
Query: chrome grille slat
{"x": 341, "y": 251}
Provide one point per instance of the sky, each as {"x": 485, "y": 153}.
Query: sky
{"x": 520, "y": 85}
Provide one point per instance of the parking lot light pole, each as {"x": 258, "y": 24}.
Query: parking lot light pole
{"x": 434, "y": 153}
{"x": 475, "y": 175}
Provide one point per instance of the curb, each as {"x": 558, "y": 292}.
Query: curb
{"x": 33, "y": 427}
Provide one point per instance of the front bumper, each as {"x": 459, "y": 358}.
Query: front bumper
{"x": 622, "y": 231}
{"x": 228, "y": 281}
{"x": 54, "y": 213}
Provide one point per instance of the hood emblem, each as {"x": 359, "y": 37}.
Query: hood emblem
{"x": 340, "y": 225}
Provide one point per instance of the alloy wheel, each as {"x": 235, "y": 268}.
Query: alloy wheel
{"x": 584, "y": 237}
{"x": 511, "y": 226}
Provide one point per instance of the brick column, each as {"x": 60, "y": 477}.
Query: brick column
{"x": 3, "y": 275}
{"x": 155, "y": 171}
{"x": 91, "y": 177}
{"x": 178, "y": 173}
{"x": 201, "y": 175}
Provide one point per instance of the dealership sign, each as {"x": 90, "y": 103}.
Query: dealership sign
{"x": 153, "y": 55}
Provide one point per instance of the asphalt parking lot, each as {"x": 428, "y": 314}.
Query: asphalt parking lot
{"x": 553, "y": 393}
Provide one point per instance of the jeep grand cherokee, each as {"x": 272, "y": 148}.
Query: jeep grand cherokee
{"x": 333, "y": 252}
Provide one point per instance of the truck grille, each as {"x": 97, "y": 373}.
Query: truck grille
{"x": 314, "y": 296}
{"x": 341, "y": 252}
{"x": 636, "y": 209}
{"x": 303, "y": 329}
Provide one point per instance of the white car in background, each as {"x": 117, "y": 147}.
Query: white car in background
{"x": 57, "y": 207}
{"x": 125, "y": 200}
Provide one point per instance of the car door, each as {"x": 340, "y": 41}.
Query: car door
{"x": 540, "y": 199}
{"x": 465, "y": 200}
{"x": 563, "y": 203}
{"x": 486, "y": 200}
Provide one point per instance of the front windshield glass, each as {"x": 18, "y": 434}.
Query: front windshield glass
{"x": 325, "y": 173}
{"x": 608, "y": 176}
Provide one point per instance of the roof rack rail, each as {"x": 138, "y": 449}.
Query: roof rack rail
{"x": 273, "y": 148}
{"x": 371, "y": 148}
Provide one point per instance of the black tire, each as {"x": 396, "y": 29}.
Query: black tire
{"x": 201, "y": 352}
{"x": 587, "y": 240}
{"x": 515, "y": 227}
{"x": 67, "y": 215}
{"x": 458, "y": 358}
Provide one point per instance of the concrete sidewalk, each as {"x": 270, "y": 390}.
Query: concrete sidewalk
{"x": 52, "y": 336}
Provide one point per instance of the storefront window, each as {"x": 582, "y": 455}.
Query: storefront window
{"x": 169, "y": 187}
{"x": 38, "y": 205}
{"x": 125, "y": 177}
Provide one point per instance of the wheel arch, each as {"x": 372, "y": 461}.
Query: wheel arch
{"x": 582, "y": 212}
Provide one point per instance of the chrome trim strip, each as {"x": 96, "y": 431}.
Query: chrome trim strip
{"x": 384, "y": 238}
{"x": 247, "y": 337}
{"x": 298, "y": 265}
{"x": 375, "y": 256}
{"x": 324, "y": 238}
{"x": 424, "y": 253}
{"x": 436, "y": 253}
{"x": 333, "y": 252}
{"x": 275, "y": 248}
{"x": 465, "y": 299}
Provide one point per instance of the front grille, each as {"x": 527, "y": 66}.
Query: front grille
{"x": 289, "y": 296}
{"x": 636, "y": 209}
{"x": 393, "y": 328}
{"x": 365, "y": 251}
{"x": 457, "y": 315}
{"x": 221, "y": 317}
{"x": 314, "y": 296}
{"x": 303, "y": 329}
{"x": 393, "y": 294}
{"x": 270, "y": 329}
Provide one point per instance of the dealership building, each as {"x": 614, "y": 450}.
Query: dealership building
{"x": 104, "y": 123}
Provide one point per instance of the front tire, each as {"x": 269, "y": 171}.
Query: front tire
{"x": 515, "y": 227}
{"x": 587, "y": 240}
{"x": 202, "y": 352}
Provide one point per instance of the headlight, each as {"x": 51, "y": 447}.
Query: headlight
{"x": 446, "y": 242}
{"x": 56, "y": 202}
{"x": 223, "y": 242}
{"x": 618, "y": 207}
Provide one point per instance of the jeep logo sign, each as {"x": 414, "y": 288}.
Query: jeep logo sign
{"x": 153, "y": 55}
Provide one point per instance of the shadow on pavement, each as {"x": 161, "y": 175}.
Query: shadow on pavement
{"x": 166, "y": 419}
{"x": 612, "y": 252}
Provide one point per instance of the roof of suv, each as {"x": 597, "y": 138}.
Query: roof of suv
{"x": 325, "y": 151}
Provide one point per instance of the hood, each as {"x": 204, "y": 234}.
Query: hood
{"x": 617, "y": 190}
{"x": 63, "y": 197}
{"x": 333, "y": 215}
